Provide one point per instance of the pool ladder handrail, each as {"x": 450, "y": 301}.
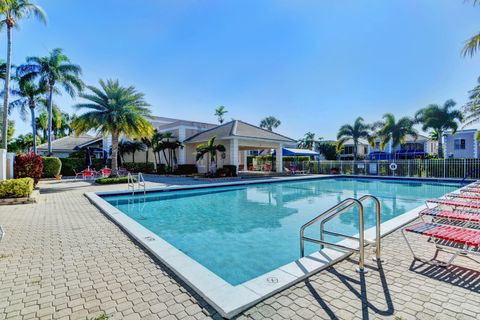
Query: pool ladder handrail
{"x": 333, "y": 212}
{"x": 140, "y": 182}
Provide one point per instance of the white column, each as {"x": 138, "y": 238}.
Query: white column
{"x": 234, "y": 153}
{"x": 3, "y": 164}
{"x": 10, "y": 164}
{"x": 245, "y": 160}
{"x": 279, "y": 158}
{"x": 182, "y": 153}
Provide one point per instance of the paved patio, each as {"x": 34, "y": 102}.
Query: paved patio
{"x": 63, "y": 259}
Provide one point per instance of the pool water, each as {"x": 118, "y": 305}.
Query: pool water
{"x": 241, "y": 232}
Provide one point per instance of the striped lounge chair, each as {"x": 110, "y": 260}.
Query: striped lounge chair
{"x": 453, "y": 239}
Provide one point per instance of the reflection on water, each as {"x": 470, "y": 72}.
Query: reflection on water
{"x": 242, "y": 232}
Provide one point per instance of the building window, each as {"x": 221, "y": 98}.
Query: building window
{"x": 347, "y": 150}
{"x": 459, "y": 144}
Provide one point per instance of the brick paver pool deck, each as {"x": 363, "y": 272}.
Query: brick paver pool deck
{"x": 63, "y": 259}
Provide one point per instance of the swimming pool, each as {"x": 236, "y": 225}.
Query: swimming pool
{"x": 240, "y": 232}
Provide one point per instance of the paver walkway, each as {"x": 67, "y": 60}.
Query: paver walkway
{"x": 63, "y": 259}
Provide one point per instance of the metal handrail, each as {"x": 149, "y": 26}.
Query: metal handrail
{"x": 140, "y": 182}
{"x": 377, "y": 218}
{"x": 337, "y": 209}
{"x": 333, "y": 212}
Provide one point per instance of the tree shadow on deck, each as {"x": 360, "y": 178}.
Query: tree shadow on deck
{"x": 455, "y": 275}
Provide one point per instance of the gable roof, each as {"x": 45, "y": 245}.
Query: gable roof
{"x": 239, "y": 129}
{"x": 70, "y": 143}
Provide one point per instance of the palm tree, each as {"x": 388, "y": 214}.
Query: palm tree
{"x": 395, "y": 132}
{"x": 29, "y": 96}
{"x": 54, "y": 70}
{"x": 358, "y": 130}
{"x": 308, "y": 141}
{"x": 219, "y": 113}
{"x": 472, "y": 107}
{"x": 473, "y": 44}
{"x": 211, "y": 149}
{"x": 439, "y": 119}
{"x": 116, "y": 110}
{"x": 270, "y": 123}
{"x": 12, "y": 11}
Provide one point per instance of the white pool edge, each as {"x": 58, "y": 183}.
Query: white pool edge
{"x": 226, "y": 299}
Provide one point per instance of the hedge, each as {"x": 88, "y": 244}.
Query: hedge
{"x": 51, "y": 167}
{"x": 28, "y": 165}
{"x": 184, "y": 169}
{"x": 78, "y": 164}
{"x": 113, "y": 180}
{"x": 16, "y": 188}
{"x": 230, "y": 170}
{"x": 143, "y": 167}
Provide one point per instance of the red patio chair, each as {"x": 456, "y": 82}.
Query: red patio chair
{"x": 88, "y": 173}
{"x": 105, "y": 172}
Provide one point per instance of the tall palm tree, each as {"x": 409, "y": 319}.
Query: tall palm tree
{"x": 270, "y": 123}
{"x": 54, "y": 70}
{"x": 473, "y": 44}
{"x": 116, "y": 110}
{"x": 308, "y": 141}
{"x": 11, "y": 12}
{"x": 472, "y": 107}
{"x": 211, "y": 149}
{"x": 29, "y": 96}
{"x": 439, "y": 119}
{"x": 220, "y": 112}
{"x": 395, "y": 132}
{"x": 359, "y": 130}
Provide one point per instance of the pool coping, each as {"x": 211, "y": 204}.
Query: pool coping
{"x": 227, "y": 299}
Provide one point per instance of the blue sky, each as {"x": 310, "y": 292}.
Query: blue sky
{"x": 313, "y": 64}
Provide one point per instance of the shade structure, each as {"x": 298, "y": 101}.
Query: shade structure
{"x": 298, "y": 152}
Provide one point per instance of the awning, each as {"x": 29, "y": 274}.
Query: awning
{"x": 299, "y": 152}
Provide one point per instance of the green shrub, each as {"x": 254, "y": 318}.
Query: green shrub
{"x": 117, "y": 180}
{"x": 78, "y": 164}
{"x": 184, "y": 169}
{"x": 51, "y": 167}
{"x": 231, "y": 171}
{"x": 161, "y": 168}
{"x": 139, "y": 167}
{"x": 16, "y": 188}
{"x": 28, "y": 165}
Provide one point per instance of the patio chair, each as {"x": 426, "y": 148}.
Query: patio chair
{"x": 105, "y": 172}
{"x": 456, "y": 215}
{"x": 455, "y": 203}
{"x": 122, "y": 172}
{"x": 464, "y": 195}
{"x": 88, "y": 173}
{"x": 452, "y": 239}
{"x": 77, "y": 174}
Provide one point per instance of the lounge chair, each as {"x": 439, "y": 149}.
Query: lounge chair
{"x": 456, "y": 240}
{"x": 464, "y": 195}
{"x": 455, "y": 203}
{"x": 457, "y": 215}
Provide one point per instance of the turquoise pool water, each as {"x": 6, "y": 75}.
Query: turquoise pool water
{"x": 241, "y": 232}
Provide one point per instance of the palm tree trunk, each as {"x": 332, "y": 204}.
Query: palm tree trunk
{"x": 34, "y": 128}
{"x": 440, "y": 145}
{"x": 114, "y": 154}
{"x": 50, "y": 119}
{"x": 133, "y": 156}
{"x": 146, "y": 157}
{"x": 355, "y": 151}
{"x": 7, "y": 88}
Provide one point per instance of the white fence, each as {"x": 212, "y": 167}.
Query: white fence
{"x": 428, "y": 168}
